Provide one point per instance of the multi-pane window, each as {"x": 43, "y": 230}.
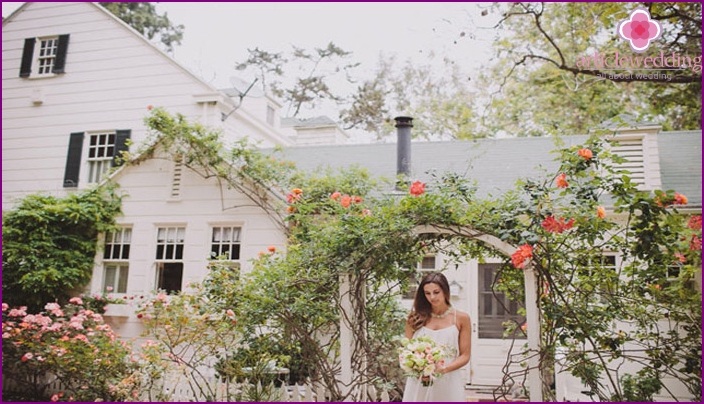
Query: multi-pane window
{"x": 427, "y": 264}
{"x": 117, "y": 245}
{"x": 101, "y": 150}
{"x": 226, "y": 242}
{"x": 169, "y": 243}
{"x": 47, "y": 55}
{"x": 115, "y": 257}
{"x": 104, "y": 148}
{"x": 115, "y": 277}
{"x": 495, "y": 308}
{"x": 169, "y": 250}
{"x": 44, "y": 57}
{"x": 599, "y": 276}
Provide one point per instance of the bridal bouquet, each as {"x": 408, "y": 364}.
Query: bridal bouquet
{"x": 421, "y": 358}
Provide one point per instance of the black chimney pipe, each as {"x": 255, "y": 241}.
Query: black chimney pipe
{"x": 403, "y": 147}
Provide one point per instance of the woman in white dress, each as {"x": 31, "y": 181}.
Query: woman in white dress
{"x": 433, "y": 315}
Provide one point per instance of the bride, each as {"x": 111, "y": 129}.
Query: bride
{"x": 433, "y": 316}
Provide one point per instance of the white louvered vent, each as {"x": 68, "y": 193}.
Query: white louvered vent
{"x": 176, "y": 180}
{"x": 631, "y": 149}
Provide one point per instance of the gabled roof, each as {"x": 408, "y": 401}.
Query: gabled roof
{"x": 496, "y": 164}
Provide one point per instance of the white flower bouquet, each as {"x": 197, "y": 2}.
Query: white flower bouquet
{"x": 421, "y": 358}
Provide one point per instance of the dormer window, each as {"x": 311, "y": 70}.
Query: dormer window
{"x": 44, "y": 56}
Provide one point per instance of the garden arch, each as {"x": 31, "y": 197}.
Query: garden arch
{"x": 531, "y": 297}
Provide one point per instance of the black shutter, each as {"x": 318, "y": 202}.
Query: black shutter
{"x": 27, "y": 56}
{"x": 61, "y": 49}
{"x": 73, "y": 160}
{"x": 121, "y": 138}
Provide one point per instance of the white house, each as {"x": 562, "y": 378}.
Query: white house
{"x": 77, "y": 82}
{"x": 76, "y": 85}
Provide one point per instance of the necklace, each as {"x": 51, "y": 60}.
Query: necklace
{"x": 443, "y": 315}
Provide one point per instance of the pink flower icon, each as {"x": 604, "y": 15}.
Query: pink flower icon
{"x": 639, "y": 30}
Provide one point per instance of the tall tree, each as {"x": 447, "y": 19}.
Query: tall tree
{"x": 143, "y": 17}
{"x": 540, "y": 83}
{"x": 436, "y": 93}
{"x": 311, "y": 85}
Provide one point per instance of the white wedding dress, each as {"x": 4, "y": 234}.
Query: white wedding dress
{"x": 448, "y": 387}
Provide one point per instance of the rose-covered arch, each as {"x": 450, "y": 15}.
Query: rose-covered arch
{"x": 531, "y": 293}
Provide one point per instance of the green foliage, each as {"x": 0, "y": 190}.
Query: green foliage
{"x": 640, "y": 388}
{"x": 187, "y": 334}
{"x": 49, "y": 244}
{"x": 537, "y": 87}
{"x": 143, "y": 17}
{"x": 71, "y": 345}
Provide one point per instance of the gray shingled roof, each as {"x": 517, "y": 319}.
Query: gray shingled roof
{"x": 496, "y": 164}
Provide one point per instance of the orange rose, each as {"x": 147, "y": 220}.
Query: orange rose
{"x": 680, "y": 199}
{"x": 600, "y": 212}
{"x": 586, "y": 154}
{"x": 561, "y": 182}
{"x": 345, "y": 201}
{"x": 524, "y": 252}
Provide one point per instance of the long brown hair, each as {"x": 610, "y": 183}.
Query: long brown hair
{"x": 422, "y": 309}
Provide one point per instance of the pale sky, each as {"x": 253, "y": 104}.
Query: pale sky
{"x": 217, "y": 35}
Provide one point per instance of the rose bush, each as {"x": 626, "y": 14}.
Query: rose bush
{"x": 69, "y": 344}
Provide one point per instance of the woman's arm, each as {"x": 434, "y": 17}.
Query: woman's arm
{"x": 465, "y": 343}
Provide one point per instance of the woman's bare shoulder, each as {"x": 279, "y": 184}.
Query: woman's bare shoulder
{"x": 462, "y": 316}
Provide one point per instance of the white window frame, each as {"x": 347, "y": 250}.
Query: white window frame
{"x": 169, "y": 251}
{"x": 224, "y": 235}
{"x": 116, "y": 260}
{"x": 615, "y": 266}
{"x": 99, "y": 155}
{"x": 43, "y": 62}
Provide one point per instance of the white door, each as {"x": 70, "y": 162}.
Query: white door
{"x": 488, "y": 310}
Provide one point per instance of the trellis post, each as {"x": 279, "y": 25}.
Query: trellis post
{"x": 535, "y": 390}
{"x": 346, "y": 336}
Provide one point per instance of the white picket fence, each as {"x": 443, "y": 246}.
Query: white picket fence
{"x": 176, "y": 389}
